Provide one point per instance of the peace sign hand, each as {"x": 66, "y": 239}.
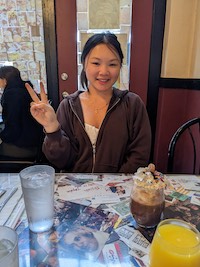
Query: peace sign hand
{"x": 42, "y": 111}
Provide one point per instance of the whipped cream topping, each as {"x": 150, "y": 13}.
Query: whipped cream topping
{"x": 149, "y": 177}
{"x": 148, "y": 187}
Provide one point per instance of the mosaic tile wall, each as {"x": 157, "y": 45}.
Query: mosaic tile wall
{"x": 114, "y": 15}
{"x": 22, "y": 39}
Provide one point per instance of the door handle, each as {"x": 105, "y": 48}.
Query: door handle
{"x": 64, "y": 76}
{"x": 64, "y": 94}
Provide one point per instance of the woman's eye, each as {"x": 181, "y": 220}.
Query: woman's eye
{"x": 77, "y": 238}
{"x": 95, "y": 63}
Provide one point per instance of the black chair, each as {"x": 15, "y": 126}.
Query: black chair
{"x": 191, "y": 131}
{"x": 15, "y": 165}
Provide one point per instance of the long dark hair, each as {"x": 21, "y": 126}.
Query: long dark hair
{"x": 12, "y": 76}
{"x": 107, "y": 38}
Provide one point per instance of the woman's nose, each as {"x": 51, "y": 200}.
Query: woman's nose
{"x": 103, "y": 69}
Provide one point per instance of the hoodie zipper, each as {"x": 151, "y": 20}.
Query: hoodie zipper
{"x": 93, "y": 145}
{"x": 94, "y": 155}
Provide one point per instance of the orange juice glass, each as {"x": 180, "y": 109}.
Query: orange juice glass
{"x": 176, "y": 243}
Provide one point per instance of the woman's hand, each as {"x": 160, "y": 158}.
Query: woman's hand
{"x": 42, "y": 111}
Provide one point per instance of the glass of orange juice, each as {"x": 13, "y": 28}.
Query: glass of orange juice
{"x": 176, "y": 243}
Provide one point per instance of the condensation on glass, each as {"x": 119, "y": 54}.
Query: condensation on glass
{"x": 95, "y": 16}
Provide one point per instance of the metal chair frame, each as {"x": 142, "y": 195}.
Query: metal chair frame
{"x": 172, "y": 145}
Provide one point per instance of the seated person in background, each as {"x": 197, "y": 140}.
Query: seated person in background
{"x": 21, "y": 133}
{"x": 101, "y": 128}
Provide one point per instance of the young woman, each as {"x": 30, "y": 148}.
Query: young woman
{"x": 100, "y": 129}
{"x": 21, "y": 134}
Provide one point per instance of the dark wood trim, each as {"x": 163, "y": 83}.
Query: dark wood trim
{"x": 66, "y": 30}
{"x": 171, "y": 83}
{"x": 142, "y": 12}
{"x": 48, "y": 7}
{"x": 157, "y": 35}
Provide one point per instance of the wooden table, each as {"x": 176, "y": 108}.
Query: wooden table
{"x": 81, "y": 200}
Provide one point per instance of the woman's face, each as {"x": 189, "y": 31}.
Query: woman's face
{"x": 81, "y": 240}
{"x": 102, "y": 68}
{"x": 2, "y": 83}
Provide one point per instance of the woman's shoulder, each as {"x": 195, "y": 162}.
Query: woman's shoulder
{"x": 126, "y": 95}
{"x": 71, "y": 99}
{"x": 73, "y": 95}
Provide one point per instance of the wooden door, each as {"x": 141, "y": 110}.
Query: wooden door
{"x": 60, "y": 30}
{"x": 69, "y": 36}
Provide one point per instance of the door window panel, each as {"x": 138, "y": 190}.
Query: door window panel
{"x": 95, "y": 16}
{"x": 181, "y": 53}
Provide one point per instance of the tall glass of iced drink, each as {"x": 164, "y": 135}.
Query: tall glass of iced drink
{"x": 38, "y": 190}
{"x": 9, "y": 256}
{"x": 147, "y": 199}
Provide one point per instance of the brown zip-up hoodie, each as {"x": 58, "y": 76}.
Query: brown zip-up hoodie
{"x": 123, "y": 142}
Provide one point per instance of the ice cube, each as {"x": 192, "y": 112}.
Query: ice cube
{"x": 38, "y": 180}
{"x": 6, "y": 247}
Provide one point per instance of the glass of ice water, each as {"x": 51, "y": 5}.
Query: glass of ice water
{"x": 9, "y": 255}
{"x": 38, "y": 190}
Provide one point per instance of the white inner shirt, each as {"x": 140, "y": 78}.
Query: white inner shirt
{"x": 92, "y": 132}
